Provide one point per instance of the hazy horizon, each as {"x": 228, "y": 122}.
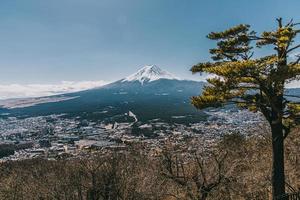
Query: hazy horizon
{"x": 11, "y": 91}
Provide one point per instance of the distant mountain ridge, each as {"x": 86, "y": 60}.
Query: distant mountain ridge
{"x": 150, "y": 93}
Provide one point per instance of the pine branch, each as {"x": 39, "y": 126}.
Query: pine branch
{"x": 296, "y": 62}
{"x": 293, "y": 48}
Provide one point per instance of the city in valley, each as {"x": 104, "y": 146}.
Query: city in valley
{"x": 56, "y": 136}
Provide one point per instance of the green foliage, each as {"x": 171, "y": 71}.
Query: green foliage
{"x": 254, "y": 83}
{"x": 231, "y": 43}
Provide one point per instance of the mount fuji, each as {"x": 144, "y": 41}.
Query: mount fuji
{"x": 150, "y": 93}
{"x": 149, "y": 73}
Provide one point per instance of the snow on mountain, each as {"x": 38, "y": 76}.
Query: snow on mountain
{"x": 149, "y": 73}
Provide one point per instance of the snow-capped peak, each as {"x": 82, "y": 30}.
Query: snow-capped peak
{"x": 149, "y": 73}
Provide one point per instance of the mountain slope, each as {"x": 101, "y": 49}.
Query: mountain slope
{"x": 150, "y": 93}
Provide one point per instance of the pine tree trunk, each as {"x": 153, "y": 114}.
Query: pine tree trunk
{"x": 278, "y": 179}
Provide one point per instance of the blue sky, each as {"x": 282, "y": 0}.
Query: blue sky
{"x": 49, "y": 41}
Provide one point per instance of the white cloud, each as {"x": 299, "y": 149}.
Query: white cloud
{"x": 293, "y": 84}
{"x": 37, "y": 90}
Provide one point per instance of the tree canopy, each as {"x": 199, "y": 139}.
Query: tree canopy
{"x": 253, "y": 83}
{"x": 258, "y": 83}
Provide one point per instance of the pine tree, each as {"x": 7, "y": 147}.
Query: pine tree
{"x": 256, "y": 83}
